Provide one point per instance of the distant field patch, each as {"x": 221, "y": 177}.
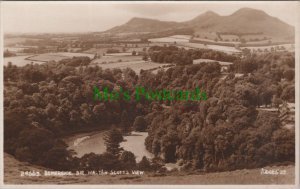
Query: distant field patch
{"x": 19, "y": 60}
{"x": 192, "y": 45}
{"x": 255, "y": 37}
{"x": 201, "y": 60}
{"x": 172, "y": 39}
{"x": 118, "y": 54}
{"x": 288, "y": 47}
{"x": 136, "y": 66}
{"x": 16, "y": 40}
{"x": 223, "y": 48}
{"x": 206, "y": 35}
{"x": 229, "y": 37}
{"x": 112, "y": 59}
{"x": 57, "y": 56}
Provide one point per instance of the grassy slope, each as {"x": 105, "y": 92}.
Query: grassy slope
{"x": 12, "y": 169}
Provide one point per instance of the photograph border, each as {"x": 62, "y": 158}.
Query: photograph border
{"x": 297, "y": 71}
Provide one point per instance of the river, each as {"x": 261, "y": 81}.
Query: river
{"x": 94, "y": 142}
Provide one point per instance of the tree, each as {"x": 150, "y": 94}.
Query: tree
{"x": 243, "y": 40}
{"x": 57, "y": 158}
{"x": 140, "y": 124}
{"x": 144, "y": 164}
{"x": 125, "y": 122}
{"x": 288, "y": 93}
{"x": 145, "y": 57}
{"x": 128, "y": 160}
{"x": 112, "y": 140}
{"x": 289, "y": 74}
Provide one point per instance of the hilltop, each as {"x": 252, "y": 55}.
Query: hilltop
{"x": 244, "y": 21}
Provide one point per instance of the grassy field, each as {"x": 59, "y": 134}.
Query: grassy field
{"x": 57, "y": 56}
{"x": 230, "y": 38}
{"x": 136, "y": 66}
{"x": 15, "y": 40}
{"x": 288, "y": 47}
{"x": 42, "y": 58}
{"x": 198, "y": 61}
{"x": 192, "y": 45}
{"x": 114, "y": 59}
{"x": 208, "y": 35}
{"x": 171, "y": 39}
{"x": 223, "y": 48}
{"x": 12, "y": 169}
{"x": 20, "y": 60}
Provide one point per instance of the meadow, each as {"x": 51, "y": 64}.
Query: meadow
{"x": 116, "y": 58}
{"x": 201, "y": 60}
{"x": 172, "y": 39}
{"x": 19, "y": 60}
{"x": 42, "y": 58}
{"x": 136, "y": 66}
{"x": 57, "y": 56}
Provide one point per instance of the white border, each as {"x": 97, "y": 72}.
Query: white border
{"x": 297, "y": 71}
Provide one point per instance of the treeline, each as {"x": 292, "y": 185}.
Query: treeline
{"x": 180, "y": 56}
{"x": 8, "y": 53}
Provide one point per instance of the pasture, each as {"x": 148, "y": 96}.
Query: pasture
{"x": 136, "y": 66}
{"x": 229, "y": 37}
{"x": 57, "y": 56}
{"x": 201, "y": 60}
{"x": 288, "y": 47}
{"x": 223, "y": 48}
{"x": 206, "y": 35}
{"x": 172, "y": 39}
{"x": 116, "y": 58}
{"x": 20, "y": 60}
{"x": 11, "y": 41}
{"x": 42, "y": 58}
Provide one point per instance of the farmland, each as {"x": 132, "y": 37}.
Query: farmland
{"x": 288, "y": 47}
{"x": 172, "y": 39}
{"x": 57, "y": 56}
{"x": 42, "y": 58}
{"x": 201, "y": 60}
{"x": 116, "y": 58}
{"x": 20, "y": 60}
{"x": 136, "y": 66}
{"x": 10, "y": 41}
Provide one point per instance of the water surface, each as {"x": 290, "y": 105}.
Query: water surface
{"x": 94, "y": 142}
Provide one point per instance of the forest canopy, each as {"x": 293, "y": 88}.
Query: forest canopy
{"x": 225, "y": 132}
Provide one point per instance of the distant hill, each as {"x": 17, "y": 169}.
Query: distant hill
{"x": 145, "y": 25}
{"x": 244, "y": 21}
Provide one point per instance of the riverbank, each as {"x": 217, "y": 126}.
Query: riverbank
{"x": 80, "y": 133}
{"x": 13, "y": 168}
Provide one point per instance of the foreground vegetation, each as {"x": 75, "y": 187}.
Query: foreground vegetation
{"x": 252, "y": 176}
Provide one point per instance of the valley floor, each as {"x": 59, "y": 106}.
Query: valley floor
{"x": 13, "y": 168}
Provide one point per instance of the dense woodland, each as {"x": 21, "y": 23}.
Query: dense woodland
{"x": 180, "y": 56}
{"x": 43, "y": 103}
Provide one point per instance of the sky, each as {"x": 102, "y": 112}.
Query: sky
{"x": 74, "y": 17}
